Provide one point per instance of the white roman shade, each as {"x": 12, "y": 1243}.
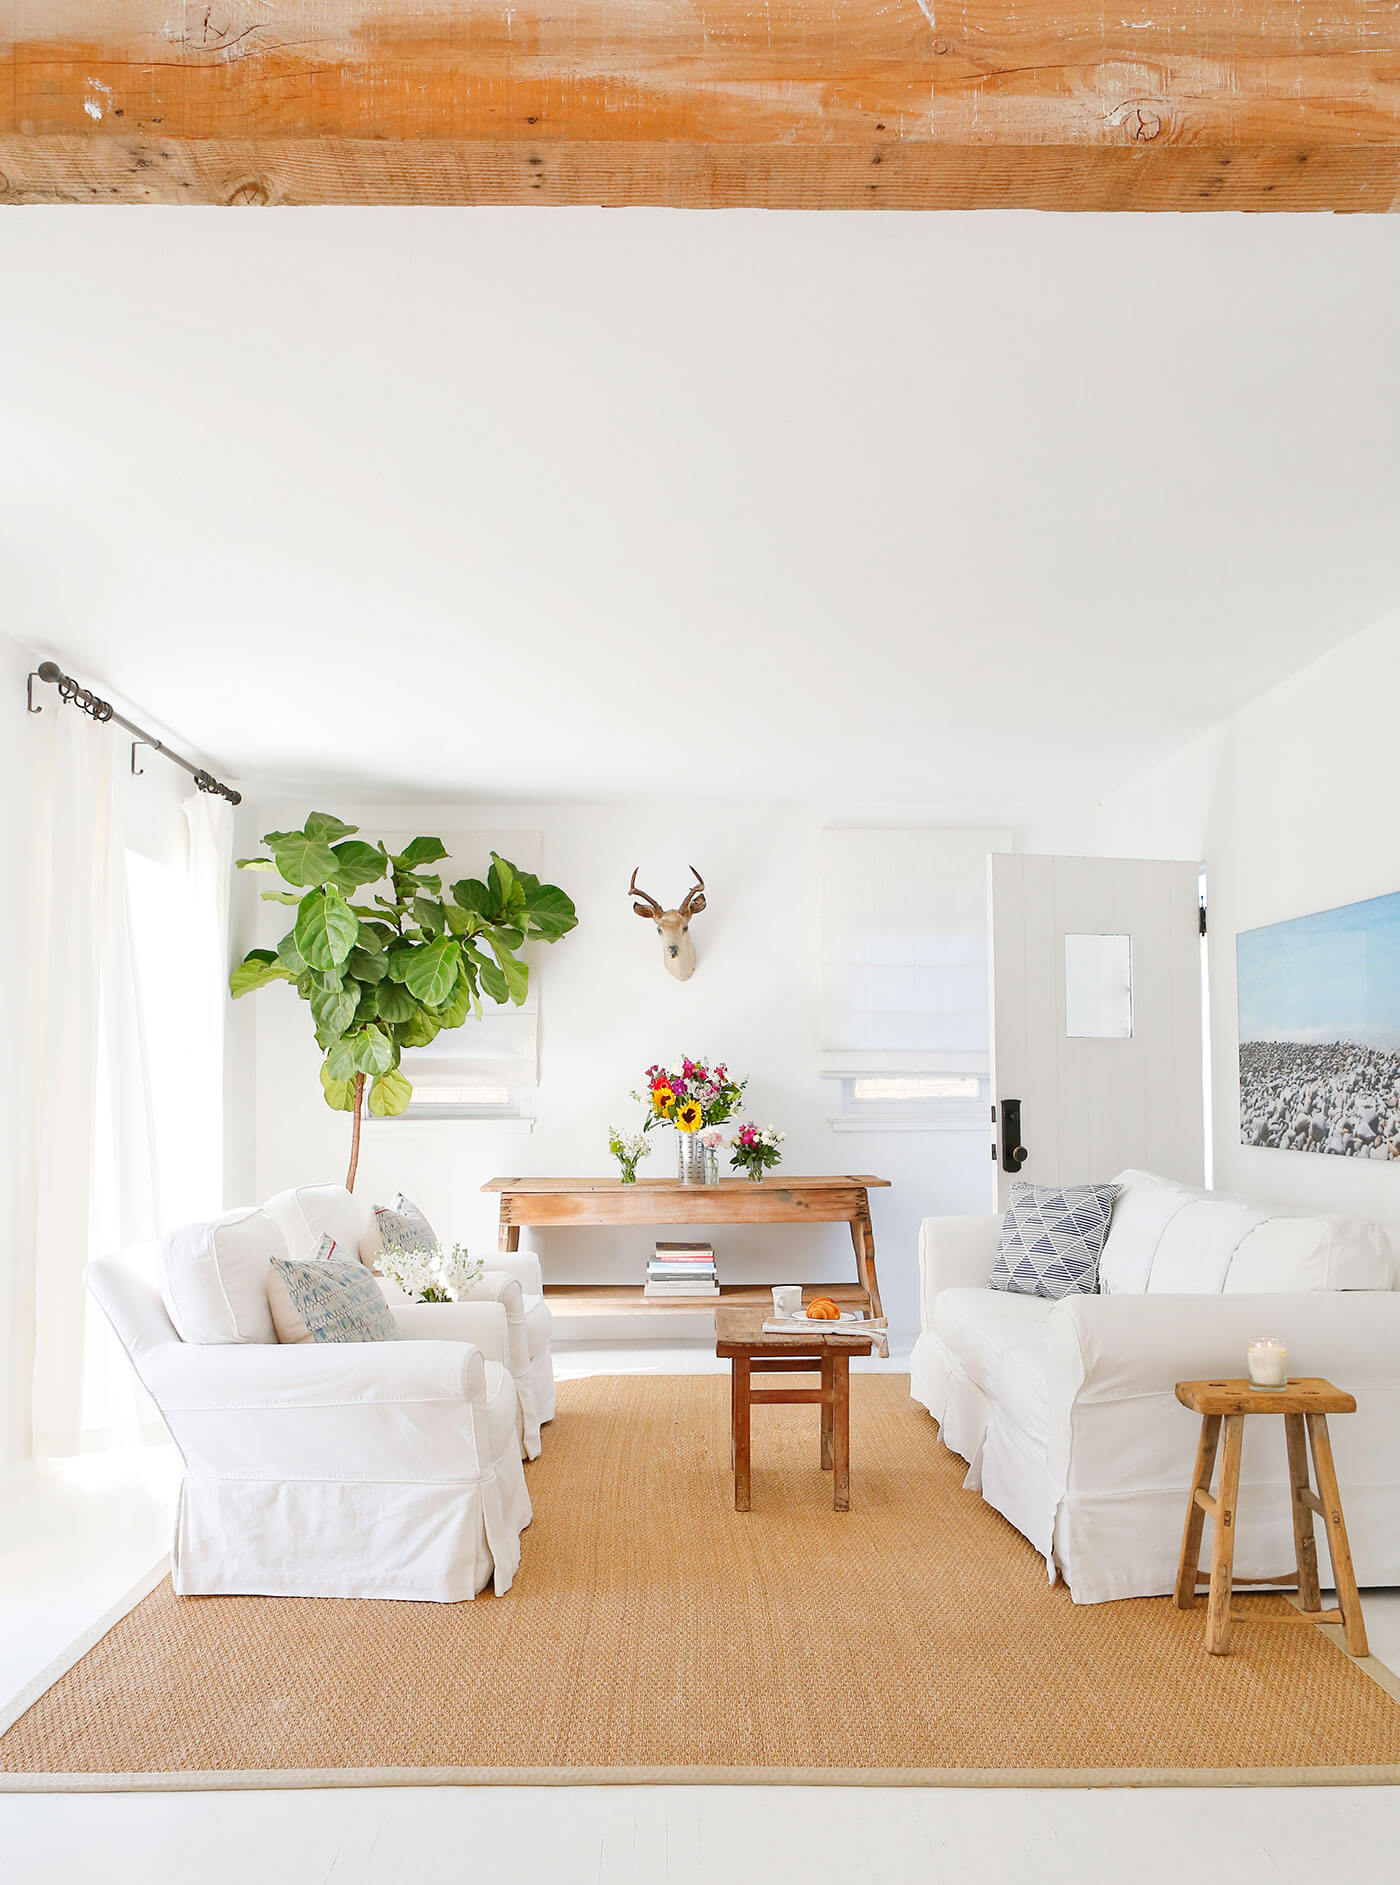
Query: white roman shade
{"x": 904, "y": 951}
{"x": 502, "y": 1048}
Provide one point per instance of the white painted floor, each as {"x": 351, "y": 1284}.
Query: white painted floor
{"x": 75, "y": 1539}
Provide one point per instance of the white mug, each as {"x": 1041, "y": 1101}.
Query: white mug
{"x": 787, "y": 1299}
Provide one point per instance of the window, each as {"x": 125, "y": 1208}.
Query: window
{"x": 904, "y": 1023}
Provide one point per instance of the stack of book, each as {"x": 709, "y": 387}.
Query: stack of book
{"x": 682, "y": 1270}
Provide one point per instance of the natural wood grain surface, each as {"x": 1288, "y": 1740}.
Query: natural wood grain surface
{"x": 627, "y": 1299}
{"x": 1194, "y": 104}
{"x": 830, "y": 1199}
{"x": 1305, "y": 1394}
{"x": 1224, "y": 1407}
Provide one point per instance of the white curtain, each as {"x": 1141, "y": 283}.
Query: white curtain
{"x": 129, "y": 1060}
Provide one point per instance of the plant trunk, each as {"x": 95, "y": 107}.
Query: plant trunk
{"x": 355, "y": 1132}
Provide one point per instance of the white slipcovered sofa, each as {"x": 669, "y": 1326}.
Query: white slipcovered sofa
{"x": 1066, "y": 1411}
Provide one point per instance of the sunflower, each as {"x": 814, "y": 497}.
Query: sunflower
{"x": 691, "y": 1116}
{"x": 663, "y": 1100}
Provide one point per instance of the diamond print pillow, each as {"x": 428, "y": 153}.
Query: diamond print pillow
{"x": 1051, "y": 1238}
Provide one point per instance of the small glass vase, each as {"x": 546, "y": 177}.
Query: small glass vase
{"x": 754, "y": 1174}
{"x": 712, "y": 1168}
{"x": 627, "y": 1171}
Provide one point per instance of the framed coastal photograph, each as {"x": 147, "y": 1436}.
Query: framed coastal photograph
{"x": 1319, "y": 1031}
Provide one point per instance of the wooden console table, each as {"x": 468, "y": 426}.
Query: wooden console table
{"x": 657, "y": 1201}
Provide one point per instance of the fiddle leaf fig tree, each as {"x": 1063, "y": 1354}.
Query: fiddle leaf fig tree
{"x": 385, "y": 958}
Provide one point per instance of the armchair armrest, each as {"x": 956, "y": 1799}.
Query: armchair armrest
{"x": 188, "y": 1375}
{"x": 955, "y": 1253}
{"x": 331, "y": 1411}
{"x": 481, "y": 1322}
{"x": 522, "y": 1265}
{"x": 1129, "y": 1346}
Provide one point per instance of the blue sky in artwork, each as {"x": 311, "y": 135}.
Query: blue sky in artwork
{"x": 1334, "y": 976}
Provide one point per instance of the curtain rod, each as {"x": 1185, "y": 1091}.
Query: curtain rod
{"x": 103, "y": 710}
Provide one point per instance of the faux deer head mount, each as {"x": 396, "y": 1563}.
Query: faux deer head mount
{"x": 672, "y": 926}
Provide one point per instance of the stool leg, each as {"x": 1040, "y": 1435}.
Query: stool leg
{"x": 1304, "y": 1542}
{"x": 742, "y": 1383}
{"x": 841, "y": 1435}
{"x": 1222, "y": 1544}
{"x": 828, "y": 1409}
{"x": 1348, "y": 1597}
{"x": 1188, "y": 1569}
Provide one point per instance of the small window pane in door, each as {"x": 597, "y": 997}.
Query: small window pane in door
{"x": 1099, "y": 987}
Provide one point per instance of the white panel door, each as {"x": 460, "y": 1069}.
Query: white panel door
{"x": 1096, "y": 1019}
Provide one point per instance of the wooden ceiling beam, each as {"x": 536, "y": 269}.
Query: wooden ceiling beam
{"x": 823, "y": 104}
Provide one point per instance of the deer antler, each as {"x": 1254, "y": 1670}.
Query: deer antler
{"x": 642, "y": 904}
{"x": 694, "y": 899}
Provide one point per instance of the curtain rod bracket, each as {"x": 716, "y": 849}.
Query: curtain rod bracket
{"x": 102, "y": 710}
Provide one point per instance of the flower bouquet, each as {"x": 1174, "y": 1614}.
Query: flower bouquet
{"x": 629, "y": 1149}
{"x": 692, "y": 1096}
{"x": 431, "y": 1274}
{"x": 754, "y": 1151}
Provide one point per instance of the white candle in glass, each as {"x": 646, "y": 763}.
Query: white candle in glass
{"x": 1268, "y": 1363}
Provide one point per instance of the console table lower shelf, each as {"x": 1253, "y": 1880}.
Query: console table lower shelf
{"x": 628, "y": 1299}
{"x": 555, "y": 1203}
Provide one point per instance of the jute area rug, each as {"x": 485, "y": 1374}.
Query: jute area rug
{"x": 654, "y": 1634}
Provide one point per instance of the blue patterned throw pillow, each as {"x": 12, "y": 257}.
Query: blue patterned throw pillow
{"x": 1051, "y": 1239}
{"x": 327, "y": 1300}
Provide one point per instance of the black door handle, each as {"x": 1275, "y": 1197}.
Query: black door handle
{"x": 1013, "y": 1153}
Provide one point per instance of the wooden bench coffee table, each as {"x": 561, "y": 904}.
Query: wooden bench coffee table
{"x": 739, "y": 1335}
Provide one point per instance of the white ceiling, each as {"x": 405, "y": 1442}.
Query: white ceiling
{"x": 533, "y": 503}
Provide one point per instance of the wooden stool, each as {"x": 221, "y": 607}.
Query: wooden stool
{"x": 1305, "y": 1404}
{"x": 740, "y": 1336}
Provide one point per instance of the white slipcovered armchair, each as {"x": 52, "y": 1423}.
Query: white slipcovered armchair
{"x": 308, "y": 1212}
{"x": 375, "y": 1469}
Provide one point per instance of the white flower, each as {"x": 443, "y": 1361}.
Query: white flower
{"x": 432, "y": 1274}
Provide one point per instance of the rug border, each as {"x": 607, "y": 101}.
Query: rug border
{"x": 1027, "y": 1779}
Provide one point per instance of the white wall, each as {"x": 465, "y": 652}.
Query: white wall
{"x": 18, "y": 769}
{"x": 608, "y": 1010}
{"x": 1292, "y": 805}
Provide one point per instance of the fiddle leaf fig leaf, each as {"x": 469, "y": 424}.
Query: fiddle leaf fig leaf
{"x": 390, "y": 1094}
{"x": 432, "y": 972}
{"x": 551, "y": 913}
{"x": 395, "y": 1002}
{"x": 397, "y": 958}
{"x": 325, "y": 930}
{"x": 256, "y": 970}
{"x": 459, "y": 1003}
{"x": 430, "y": 915}
{"x": 290, "y": 956}
{"x": 300, "y": 859}
{"x": 255, "y": 864}
{"x": 323, "y": 825}
{"x": 500, "y": 880}
{"x": 366, "y": 965}
{"x": 371, "y": 1050}
{"x": 280, "y": 896}
{"x": 470, "y": 894}
{"x": 493, "y": 981}
{"x": 418, "y": 1030}
{"x": 334, "y": 1009}
{"x": 357, "y": 863}
{"x": 421, "y": 851}
{"x": 339, "y": 1093}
